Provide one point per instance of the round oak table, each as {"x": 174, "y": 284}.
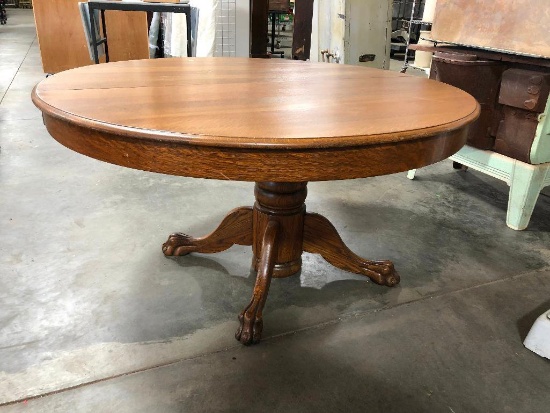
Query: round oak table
{"x": 277, "y": 123}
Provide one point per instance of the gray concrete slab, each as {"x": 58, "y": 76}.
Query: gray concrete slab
{"x": 86, "y": 294}
{"x": 18, "y": 49}
{"x": 17, "y": 105}
{"x": 461, "y": 352}
{"x": 6, "y": 77}
{"x": 25, "y": 80}
{"x": 93, "y": 263}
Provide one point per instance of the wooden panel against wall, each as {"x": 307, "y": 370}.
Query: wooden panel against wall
{"x": 62, "y": 41}
{"x": 60, "y": 35}
{"x": 519, "y": 26}
{"x": 127, "y": 35}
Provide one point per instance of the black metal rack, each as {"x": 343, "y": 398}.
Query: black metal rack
{"x": 274, "y": 17}
{"x": 404, "y": 9}
{"x": 404, "y": 28}
{"x": 275, "y": 20}
{"x": 103, "y": 5}
{"x": 3, "y": 13}
{"x": 415, "y": 24}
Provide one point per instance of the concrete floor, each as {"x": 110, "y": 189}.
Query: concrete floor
{"x": 93, "y": 318}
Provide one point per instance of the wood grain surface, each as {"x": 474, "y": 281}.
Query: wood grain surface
{"x": 63, "y": 43}
{"x": 127, "y": 35}
{"x": 518, "y": 26}
{"x": 255, "y": 119}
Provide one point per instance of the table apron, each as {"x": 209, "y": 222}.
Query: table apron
{"x": 251, "y": 164}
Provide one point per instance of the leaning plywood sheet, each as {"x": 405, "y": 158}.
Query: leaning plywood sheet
{"x": 60, "y": 35}
{"x": 63, "y": 43}
{"x": 127, "y": 35}
{"x": 519, "y": 26}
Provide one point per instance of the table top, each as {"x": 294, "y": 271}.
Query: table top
{"x": 266, "y": 119}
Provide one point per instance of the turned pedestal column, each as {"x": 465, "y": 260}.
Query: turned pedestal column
{"x": 279, "y": 230}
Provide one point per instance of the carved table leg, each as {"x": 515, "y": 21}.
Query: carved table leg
{"x": 320, "y": 237}
{"x": 279, "y": 230}
{"x": 236, "y": 228}
{"x": 251, "y": 323}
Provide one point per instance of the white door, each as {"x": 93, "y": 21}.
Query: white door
{"x": 332, "y": 28}
{"x": 368, "y": 32}
{"x": 353, "y": 29}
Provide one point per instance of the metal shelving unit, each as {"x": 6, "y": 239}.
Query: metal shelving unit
{"x": 413, "y": 22}
{"x": 279, "y": 17}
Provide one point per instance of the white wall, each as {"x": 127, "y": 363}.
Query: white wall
{"x": 315, "y": 57}
{"x": 243, "y": 28}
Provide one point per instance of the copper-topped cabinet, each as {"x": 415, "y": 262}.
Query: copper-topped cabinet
{"x": 499, "y": 52}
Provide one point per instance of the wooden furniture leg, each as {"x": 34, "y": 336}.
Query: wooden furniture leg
{"x": 283, "y": 202}
{"x": 236, "y": 228}
{"x": 526, "y": 182}
{"x": 320, "y": 237}
{"x": 279, "y": 231}
{"x": 251, "y": 322}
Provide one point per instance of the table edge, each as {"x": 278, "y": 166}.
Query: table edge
{"x": 257, "y": 143}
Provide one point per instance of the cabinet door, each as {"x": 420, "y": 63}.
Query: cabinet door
{"x": 368, "y": 32}
{"x": 331, "y": 27}
{"x": 62, "y": 41}
{"x": 350, "y": 29}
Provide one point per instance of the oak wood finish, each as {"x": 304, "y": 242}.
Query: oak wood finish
{"x": 279, "y": 231}
{"x": 255, "y": 119}
{"x": 251, "y": 322}
{"x": 283, "y": 203}
{"x": 236, "y": 228}
{"x": 320, "y": 237}
{"x": 225, "y": 119}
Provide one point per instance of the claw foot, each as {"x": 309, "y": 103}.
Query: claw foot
{"x": 320, "y": 237}
{"x": 251, "y": 323}
{"x": 178, "y": 245}
{"x": 250, "y": 328}
{"x": 382, "y": 273}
